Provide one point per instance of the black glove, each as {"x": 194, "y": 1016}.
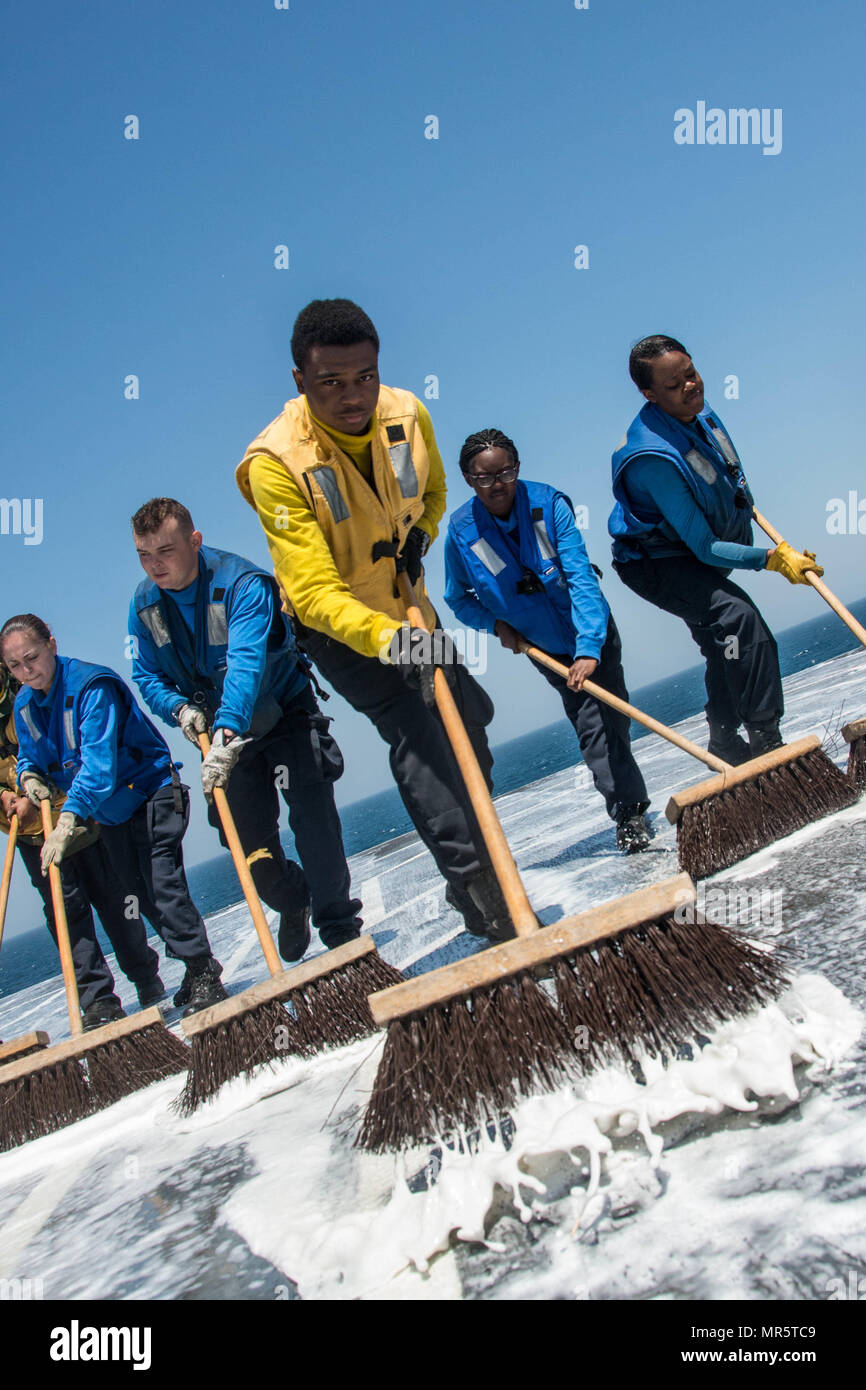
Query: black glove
{"x": 417, "y": 653}
{"x": 415, "y": 547}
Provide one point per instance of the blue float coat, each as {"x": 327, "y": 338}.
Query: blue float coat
{"x": 666, "y": 507}
{"x": 258, "y": 661}
{"x": 577, "y": 625}
{"x": 92, "y": 741}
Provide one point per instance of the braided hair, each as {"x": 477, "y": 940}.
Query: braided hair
{"x": 486, "y": 439}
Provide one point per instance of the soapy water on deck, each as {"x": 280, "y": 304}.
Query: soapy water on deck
{"x": 736, "y": 1174}
{"x": 581, "y": 1143}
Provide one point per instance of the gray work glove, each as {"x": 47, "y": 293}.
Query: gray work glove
{"x": 35, "y": 788}
{"x": 217, "y": 766}
{"x": 59, "y": 842}
{"x": 192, "y": 721}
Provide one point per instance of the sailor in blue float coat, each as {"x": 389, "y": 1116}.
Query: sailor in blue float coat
{"x": 516, "y": 566}
{"x": 89, "y": 883}
{"x": 79, "y": 727}
{"x": 682, "y": 521}
{"x": 213, "y": 652}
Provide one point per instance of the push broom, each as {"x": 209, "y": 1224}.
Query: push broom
{"x": 466, "y": 1040}
{"x": 27, "y": 1042}
{"x": 326, "y": 998}
{"x": 854, "y": 733}
{"x": 58, "y": 1085}
{"x": 724, "y": 819}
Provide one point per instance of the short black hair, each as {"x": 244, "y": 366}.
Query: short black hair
{"x": 485, "y": 439}
{"x": 330, "y": 323}
{"x": 644, "y": 353}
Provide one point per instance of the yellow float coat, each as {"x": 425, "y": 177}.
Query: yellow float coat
{"x": 322, "y": 517}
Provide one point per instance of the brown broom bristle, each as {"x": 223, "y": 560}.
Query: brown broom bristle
{"x": 654, "y": 988}
{"x": 723, "y": 829}
{"x": 239, "y": 1045}
{"x": 856, "y": 771}
{"x": 43, "y": 1102}
{"x": 127, "y": 1064}
{"x": 67, "y": 1091}
{"x": 327, "y": 1012}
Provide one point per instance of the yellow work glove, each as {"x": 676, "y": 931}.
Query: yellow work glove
{"x": 792, "y": 564}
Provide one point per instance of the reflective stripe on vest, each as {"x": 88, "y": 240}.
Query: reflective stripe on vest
{"x": 28, "y": 720}
{"x": 487, "y": 555}
{"x": 725, "y": 445}
{"x": 155, "y": 624}
{"x": 404, "y": 468}
{"x": 217, "y": 625}
{"x": 702, "y": 466}
{"x": 545, "y": 548}
{"x": 69, "y": 724}
{"x": 327, "y": 480}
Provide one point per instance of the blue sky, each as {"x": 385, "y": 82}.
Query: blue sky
{"x": 306, "y": 127}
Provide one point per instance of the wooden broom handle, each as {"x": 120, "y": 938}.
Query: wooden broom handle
{"x": 61, "y": 926}
{"x": 522, "y": 915}
{"x": 817, "y": 584}
{"x": 263, "y": 931}
{"x": 599, "y": 693}
{"x": 7, "y": 872}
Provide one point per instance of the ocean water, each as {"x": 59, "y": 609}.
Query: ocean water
{"x": 30, "y": 957}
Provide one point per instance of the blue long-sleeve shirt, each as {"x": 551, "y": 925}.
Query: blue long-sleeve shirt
{"x": 654, "y": 482}
{"x": 252, "y": 617}
{"x": 589, "y": 608}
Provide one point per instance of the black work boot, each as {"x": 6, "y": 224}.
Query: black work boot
{"x": 101, "y": 1011}
{"x": 632, "y": 831}
{"x": 486, "y": 895}
{"x": 338, "y": 936}
{"x": 459, "y": 899}
{"x": 763, "y": 738}
{"x": 294, "y": 934}
{"x": 201, "y": 985}
{"x": 727, "y": 744}
{"x": 150, "y": 992}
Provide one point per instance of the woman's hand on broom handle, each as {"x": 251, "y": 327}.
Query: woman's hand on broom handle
{"x": 606, "y": 698}
{"x": 794, "y": 565}
{"x": 581, "y": 671}
{"x": 817, "y": 584}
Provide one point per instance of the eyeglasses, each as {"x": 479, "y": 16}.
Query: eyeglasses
{"x": 486, "y": 480}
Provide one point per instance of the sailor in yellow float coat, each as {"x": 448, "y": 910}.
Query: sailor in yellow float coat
{"x": 346, "y": 481}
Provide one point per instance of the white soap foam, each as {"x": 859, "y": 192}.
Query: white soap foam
{"x": 343, "y": 1223}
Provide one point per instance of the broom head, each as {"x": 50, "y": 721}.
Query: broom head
{"x": 50, "y": 1087}
{"x": 725, "y": 818}
{"x": 22, "y": 1047}
{"x": 467, "y": 1040}
{"x": 327, "y": 999}
{"x": 854, "y": 734}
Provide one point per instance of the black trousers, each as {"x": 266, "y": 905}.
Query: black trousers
{"x": 88, "y": 880}
{"x": 422, "y": 763}
{"x": 301, "y": 760}
{"x": 147, "y": 857}
{"x": 603, "y": 733}
{"x": 743, "y": 680}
